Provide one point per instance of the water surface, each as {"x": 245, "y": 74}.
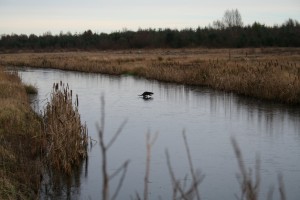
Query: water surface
{"x": 210, "y": 118}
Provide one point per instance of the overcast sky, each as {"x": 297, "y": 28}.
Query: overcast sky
{"x": 40, "y": 16}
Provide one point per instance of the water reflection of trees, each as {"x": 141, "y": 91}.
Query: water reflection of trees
{"x": 271, "y": 117}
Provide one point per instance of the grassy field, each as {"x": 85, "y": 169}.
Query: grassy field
{"x": 20, "y": 131}
{"x": 266, "y": 73}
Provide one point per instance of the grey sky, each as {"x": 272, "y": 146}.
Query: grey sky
{"x": 40, "y": 16}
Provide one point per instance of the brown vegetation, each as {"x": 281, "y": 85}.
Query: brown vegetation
{"x": 20, "y": 139}
{"x": 67, "y": 138}
{"x": 24, "y": 138}
{"x": 249, "y": 182}
{"x": 271, "y": 73}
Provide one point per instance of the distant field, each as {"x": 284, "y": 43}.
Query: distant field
{"x": 267, "y": 73}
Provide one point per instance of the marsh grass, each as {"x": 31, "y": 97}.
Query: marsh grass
{"x": 67, "y": 137}
{"x": 20, "y": 141}
{"x": 271, "y": 74}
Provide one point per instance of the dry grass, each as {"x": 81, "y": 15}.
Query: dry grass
{"x": 24, "y": 138}
{"x": 20, "y": 136}
{"x": 249, "y": 183}
{"x": 67, "y": 138}
{"x": 271, "y": 73}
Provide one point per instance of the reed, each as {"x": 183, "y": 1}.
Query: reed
{"x": 66, "y": 136}
{"x": 249, "y": 183}
{"x": 180, "y": 191}
{"x": 20, "y": 141}
{"x": 271, "y": 74}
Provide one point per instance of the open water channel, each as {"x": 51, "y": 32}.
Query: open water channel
{"x": 210, "y": 118}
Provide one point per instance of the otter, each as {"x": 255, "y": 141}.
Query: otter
{"x": 146, "y": 95}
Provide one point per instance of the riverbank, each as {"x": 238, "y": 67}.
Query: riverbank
{"x": 20, "y": 130}
{"x": 266, "y": 73}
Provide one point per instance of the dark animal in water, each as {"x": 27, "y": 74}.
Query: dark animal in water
{"x": 146, "y": 95}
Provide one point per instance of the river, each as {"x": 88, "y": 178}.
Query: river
{"x": 270, "y": 131}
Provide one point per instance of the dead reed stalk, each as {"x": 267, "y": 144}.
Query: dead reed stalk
{"x": 149, "y": 144}
{"x": 104, "y": 148}
{"x": 67, "y": 137}
{"x": 179, "y": 190}
{"x": 250, "y": 187}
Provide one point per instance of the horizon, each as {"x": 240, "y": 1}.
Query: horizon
{"x": 39, "y": 17}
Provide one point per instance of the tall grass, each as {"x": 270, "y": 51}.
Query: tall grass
{"x": 66, "y": 136}
{"x": 20, "y": 141}
{"x": 272, "y": 74}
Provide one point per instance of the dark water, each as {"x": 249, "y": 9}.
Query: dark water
{"x": 210, "y": 119}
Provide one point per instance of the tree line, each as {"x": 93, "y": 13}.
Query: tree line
{"x": 226, "y": 33}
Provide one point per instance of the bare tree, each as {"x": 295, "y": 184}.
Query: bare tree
{"x": 218, "y": 24}
{"x": 232, "y": 18}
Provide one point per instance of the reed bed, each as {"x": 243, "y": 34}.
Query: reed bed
{"x": 20, "y": 141}
{"x": 67, "y": 137}
{"x": 271, "y": 73}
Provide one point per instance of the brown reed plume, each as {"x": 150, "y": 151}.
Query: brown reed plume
{"x": 67, "y": 137}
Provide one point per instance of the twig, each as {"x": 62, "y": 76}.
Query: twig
{"x": 175, "y": 183}
{"x": 119, "y": 169}
{"x": 149, "y": 144}
{"x": 248, "y": 188}
{"x": 191, "y": 165}
{"x": 281, "y": 187}
{"x": 116, "y": 134}
{"x": 104, "y": 148}
{"x": 105, "y": 187}
{"x": 124, "y": 167}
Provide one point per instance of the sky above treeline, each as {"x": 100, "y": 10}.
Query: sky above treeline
{"x": 76, "y": 16}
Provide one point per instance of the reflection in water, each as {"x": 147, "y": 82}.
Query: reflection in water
{"x": 210, "y": 118}
{"x": 58, "y": 185}
{"x": 262, "y": 113}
